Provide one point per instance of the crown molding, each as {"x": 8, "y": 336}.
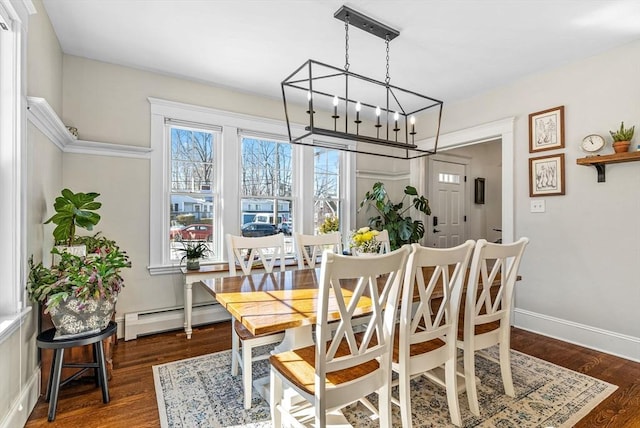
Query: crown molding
{"x": 47, "y": 121}
{"x": 376, "y": 175}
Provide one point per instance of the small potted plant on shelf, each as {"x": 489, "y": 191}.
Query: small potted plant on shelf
{"x": 622, "y": 138}
{"x": 402, "y": 228}
{"x": 80, "y": 289}
{"x": 193, "y": 252}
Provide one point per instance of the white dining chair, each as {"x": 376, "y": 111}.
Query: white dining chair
{"x": 428, "y": 327}
{"x": 487, "y": 314}
{"x": 343, "y": 366}
{"x": 385, "y": 242}
{"x": 246, "y": 252}
{"x": 309, "y": 248}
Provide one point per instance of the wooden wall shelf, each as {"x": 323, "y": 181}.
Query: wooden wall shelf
{"x": 600, "y": 161}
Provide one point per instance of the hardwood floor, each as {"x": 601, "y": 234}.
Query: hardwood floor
{"x": 133, "y": 399}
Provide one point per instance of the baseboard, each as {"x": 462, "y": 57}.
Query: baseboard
{"x": 24, "y": 405}
{"x": 150, "y": 322}
{"x": 579, "y": 334}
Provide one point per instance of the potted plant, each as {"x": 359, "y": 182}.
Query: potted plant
{"x": 403, "y": 229}
{"x": 363, "y": 241}
{"x": 330, "y": 224}
{"x": 73, "y": 210}
{"x": 193, "y": 252}
{"x": 622, "y": 138}
{"x": 80, "y": 292}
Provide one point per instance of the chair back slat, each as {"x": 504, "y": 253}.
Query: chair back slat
{"x": 309, "y": 248}
{"x": 373, "y": 282}
{"x": 247, "y": 251}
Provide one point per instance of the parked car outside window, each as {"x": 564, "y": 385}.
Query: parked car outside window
{"x": 258, "y": 229}
{"x": 193, "y": 232}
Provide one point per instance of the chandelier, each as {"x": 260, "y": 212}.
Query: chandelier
{"x": 377, "y": 118}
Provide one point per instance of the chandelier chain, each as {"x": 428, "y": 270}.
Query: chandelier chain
{"x": 346, "y": 43}
{"x": 387, "y": 79}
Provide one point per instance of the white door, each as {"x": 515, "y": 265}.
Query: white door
{"x": 447, "y": 228}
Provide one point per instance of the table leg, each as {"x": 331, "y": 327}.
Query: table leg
{"x": 188, "y": 304}
{"x": 295, "y": 338}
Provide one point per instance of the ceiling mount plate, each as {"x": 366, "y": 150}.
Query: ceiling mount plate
{"x": 365, "y": 23}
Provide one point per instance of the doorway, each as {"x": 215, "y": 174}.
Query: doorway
{"x": 448, "y": 202}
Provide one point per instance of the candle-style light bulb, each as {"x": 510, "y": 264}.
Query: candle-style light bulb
{"x": 412, "y": 120}
{"x": 335, "y": 106}
{"x": 308, "y": 95}
{"x": 378, "y": 115}
{"x": 335, "y": 101}
{"x": 396, "y": 116}
{"x": 358, "y": 108}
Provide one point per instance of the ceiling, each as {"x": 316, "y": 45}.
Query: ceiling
{"x": 449, "y": 50}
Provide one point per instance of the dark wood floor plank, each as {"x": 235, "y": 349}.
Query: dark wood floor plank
{"x": 133, "y": 398}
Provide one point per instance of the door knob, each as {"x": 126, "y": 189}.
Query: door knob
{"x": 436, "y": 230}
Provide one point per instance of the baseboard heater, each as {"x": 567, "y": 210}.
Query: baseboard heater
{"x": 159, "y": 320}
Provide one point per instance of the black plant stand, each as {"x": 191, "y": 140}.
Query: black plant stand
{"x": 45, "y": 340}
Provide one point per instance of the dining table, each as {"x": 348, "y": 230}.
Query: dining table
{"x": 279, "y": 301}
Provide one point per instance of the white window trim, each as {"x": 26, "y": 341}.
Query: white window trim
{"x": 227, "y": 205}
{"x": 13, "y": 107}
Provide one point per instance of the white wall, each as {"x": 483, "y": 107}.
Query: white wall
{"x": 580, "y": 280}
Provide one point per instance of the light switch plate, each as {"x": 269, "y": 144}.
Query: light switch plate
{"x": 537, "y": 206}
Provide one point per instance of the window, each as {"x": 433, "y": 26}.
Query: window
{"x": 215, "y": 172}
{"x": 266, "y": 183}
{"x": 326, "y": 185}
{"x": 13, "y": 38}
{"x": 192, "y": 172}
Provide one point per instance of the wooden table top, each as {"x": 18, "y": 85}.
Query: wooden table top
{"x": 273, "y": 302}
{"x": 268, "y": 303}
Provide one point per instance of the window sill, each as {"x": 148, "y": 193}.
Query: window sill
{"x": 10, "y": 323}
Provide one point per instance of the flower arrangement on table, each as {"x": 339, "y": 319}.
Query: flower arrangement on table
{"x": 364, "y": 240}
{"x": 330, "y": 224}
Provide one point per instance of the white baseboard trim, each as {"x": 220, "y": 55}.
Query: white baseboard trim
{"x": 156, "y": 321}
{"x": 579, "y": 334}
{"x": 17, "y": 416}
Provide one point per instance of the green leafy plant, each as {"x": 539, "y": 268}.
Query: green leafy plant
{"x": 194, "y": 250}
{"x": 623, "y": 134}
{"x": 330, "y": 224}
{"x": 94, "y": 276}
{"x": 403, "y": 229}
{"x": 73, "y": 210}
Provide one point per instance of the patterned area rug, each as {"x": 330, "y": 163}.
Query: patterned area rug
{"x": 200, "y": 392}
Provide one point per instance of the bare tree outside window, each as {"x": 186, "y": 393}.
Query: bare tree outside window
{"x": 326, "y": 184}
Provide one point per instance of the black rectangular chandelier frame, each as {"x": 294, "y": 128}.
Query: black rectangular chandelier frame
{"x": 405, "y": 148}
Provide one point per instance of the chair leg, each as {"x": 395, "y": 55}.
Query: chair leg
{"x": 96, "y": 373}
{"x": 505, "y": 369}
{"x": 235, "y": 349}
{"x": 275, "y": 399}
{"x": 470, "y": 381}
{"x": 55, "y": 383}
{"x": 246, "y": 374}
{"x": 51, "y": 372}
{"x": 451, "y": 383}
{"x": 384, "y": 407}
{"x": 404, "y": 388}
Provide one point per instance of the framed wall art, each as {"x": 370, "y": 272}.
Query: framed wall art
{"x": 546, "y": 175}
{"x": 546, "y": 130}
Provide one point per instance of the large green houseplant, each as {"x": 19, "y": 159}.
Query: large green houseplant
{"x": 402, "y": 228}
{"x": 79, "y": 291}
{"x": 73, "y": 210}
